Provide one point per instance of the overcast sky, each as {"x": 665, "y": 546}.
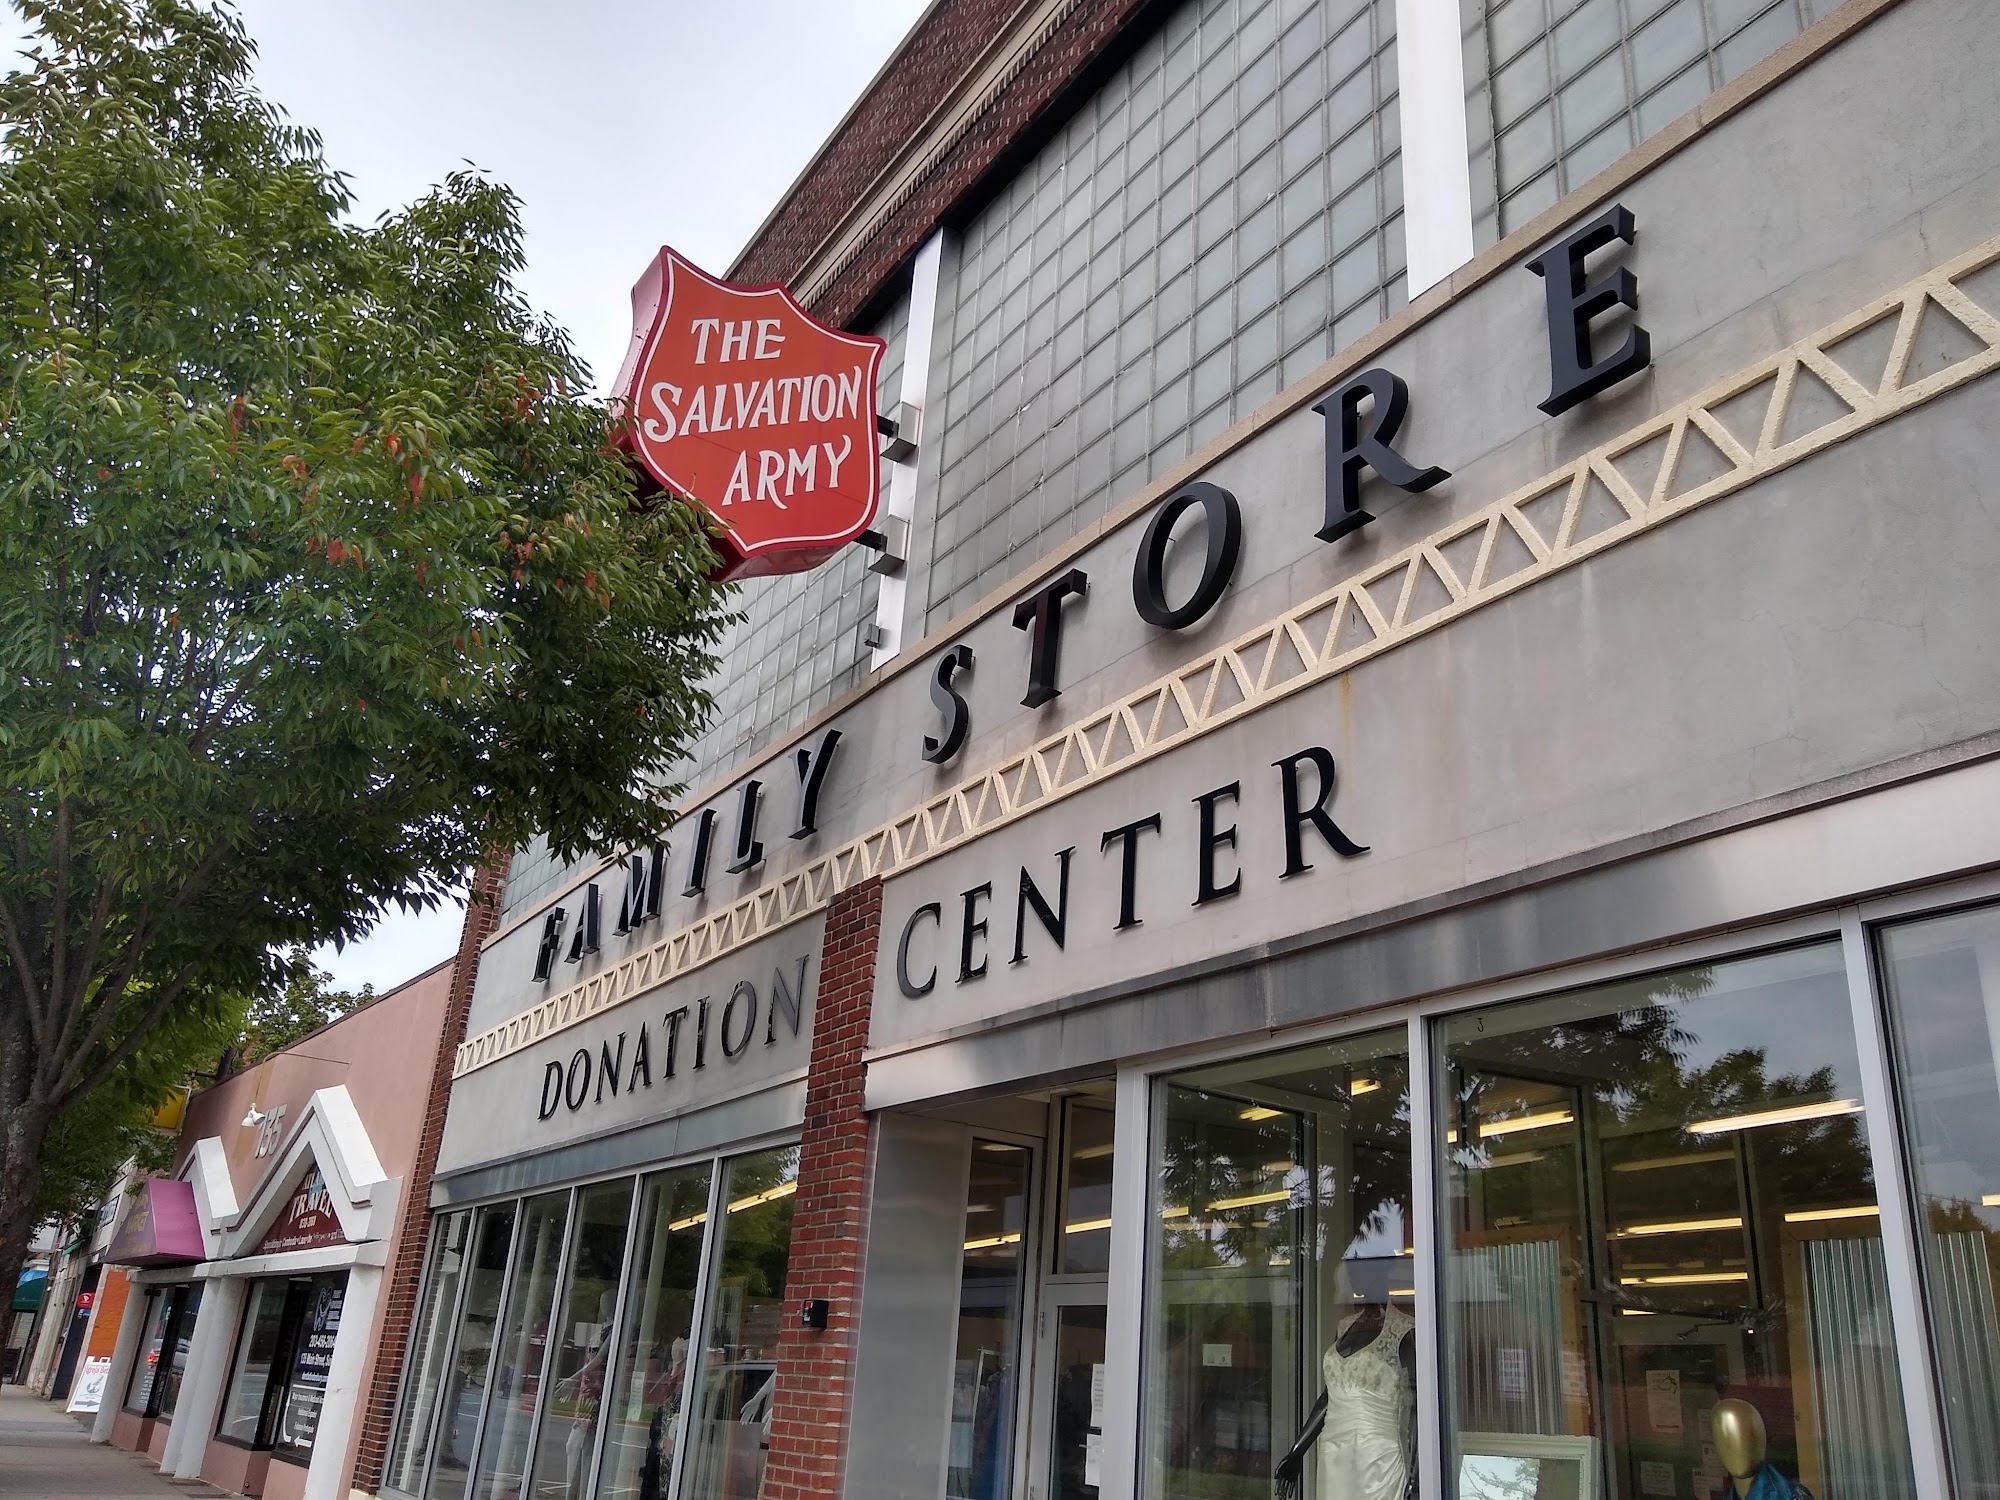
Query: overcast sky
{"x": 623, "y": 125}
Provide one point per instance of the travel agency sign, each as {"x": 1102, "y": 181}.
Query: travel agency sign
{"x": 740, "y": 401}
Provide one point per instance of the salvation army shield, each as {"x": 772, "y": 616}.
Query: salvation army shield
{"x": 740, "y": 401}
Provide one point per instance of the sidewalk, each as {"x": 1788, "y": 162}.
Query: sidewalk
{"x": 47, "y": 1455}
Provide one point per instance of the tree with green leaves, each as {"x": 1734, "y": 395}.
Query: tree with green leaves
{"x": 319, "y": 576}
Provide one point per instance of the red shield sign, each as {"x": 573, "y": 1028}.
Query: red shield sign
{"x": 740, "y": 401}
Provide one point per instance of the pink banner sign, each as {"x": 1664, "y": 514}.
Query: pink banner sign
{"x": 160, "y": 1227}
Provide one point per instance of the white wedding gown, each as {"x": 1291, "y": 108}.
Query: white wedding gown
{"x": 1364, "y": 1448}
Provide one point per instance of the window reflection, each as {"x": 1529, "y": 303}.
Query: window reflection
{"x": 520, "y": 1348}
{"x": 1944, "y": 990}
{"x": 653, "y": 1353}
{"x": 1659, "y": 1197}
{"x": 580, "y": 1344}
{"x": 472, "y": 1350}
{"x": 1084, "y": 1240}
{"x": 984, "y": 1375}
{"x": 731, "y": 1428}
{"x": 1284, "y": 1334}
{"x": 411, "y": 1449}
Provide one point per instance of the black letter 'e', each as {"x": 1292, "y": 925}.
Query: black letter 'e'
{"x": 1354, "y": 443}
{"x": 912, "y": 990}
{"x": 1222, "y": 539}
{"x": 957, "y": 716}
{"x": 1573, "y": 302}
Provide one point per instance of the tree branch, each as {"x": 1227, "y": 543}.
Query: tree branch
{"x": 68, "y": 1092}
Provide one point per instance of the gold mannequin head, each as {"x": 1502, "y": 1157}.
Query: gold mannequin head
{"x": 1738, "y": 1429}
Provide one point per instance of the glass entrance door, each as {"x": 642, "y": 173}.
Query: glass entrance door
{"x": 1068, "y": 1422}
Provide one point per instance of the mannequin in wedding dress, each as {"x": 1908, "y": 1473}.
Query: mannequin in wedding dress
{"x": 1365, "y": 1421}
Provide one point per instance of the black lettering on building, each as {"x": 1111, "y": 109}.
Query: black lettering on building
{"x": 1221, "y": 540}
{"x": 1127, "y": 837}
{"x": 1299, "y": 811}
{"x": 1357, "y": 441}
{"x": 1054, "y": 919}
{"x": 972, "y": 927}
{"x": 742, "y": 1002}
{"x": 908, "y": 985}
{"x": 813, "y": 764}
{"x": 951, "y": 703}
{"x": 1574, "y": 299}
{"x": 1041, "y": 613}
{"x": 1210, "y": 839}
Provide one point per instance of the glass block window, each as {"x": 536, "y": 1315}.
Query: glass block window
{"x": 1560, "y": 89}
{"x": 1221, "y": 216}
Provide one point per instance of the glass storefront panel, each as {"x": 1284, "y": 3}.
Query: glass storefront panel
{"x": 410, "y": 1448}
{"x": 582, "y": 1343}
{"x": 653, "y": 1349}
{"x": 471, "y": 1366}
{"x": 1281, "y": 1329}
{"x": 985, "y": 1374}
{"x": 139, "y": 1388}
{"x": 174, "y": 1353}
{"x": 256, "y": 1350}
{"x": 315, "y": 1323}
{"x": 1657, "y": 1198}
{"x": 1084, "y": 1246}
{"x": 731, "y": 1428}
{"x": 520, "y": 1348}
{"x": 1943, "y": 982}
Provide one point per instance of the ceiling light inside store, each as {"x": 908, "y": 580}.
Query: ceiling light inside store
{"x": 1686, "y": 1278}
{"x": 992, "y": 1240}
{"x": 1490, "y": 1129}
{"x": 1258, "y": 1112}
{"x": 1514, "y": 1159}
{"x": 1791, "y": 1114}
{"x": 1685, "y": 1159}
{"x": 769, "y": 1195}
{"x": 688, "y": 1223}
{"x": 1094, "y": 1153}
{"x": 1676, "y": 1226}
{"x": 1277, "y": 1166}
{"x": 1250, "y": 1200}
{"x": 1991, "y": 1200}
{"x": 1179, "y": 1211}
{"x": 1085, "y": 1226}
{"x": 1821, "y": 1215}
{"x": 1363, "y": 1086}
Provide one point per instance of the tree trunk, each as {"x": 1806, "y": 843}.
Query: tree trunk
{"x": 25, "y": 1118}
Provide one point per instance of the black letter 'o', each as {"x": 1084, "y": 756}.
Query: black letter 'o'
{"x": 1222, "y": 537}
{"x": 744, "y": 990}
{"x": 579, "y": 1068}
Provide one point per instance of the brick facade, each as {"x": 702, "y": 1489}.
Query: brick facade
{"x": 918, "y": 78}
{"x": 829, "y": 1223}
{"x": 406, "y": 1265}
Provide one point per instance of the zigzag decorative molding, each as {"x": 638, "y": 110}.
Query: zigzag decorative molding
{"x": 1898, "y": 352}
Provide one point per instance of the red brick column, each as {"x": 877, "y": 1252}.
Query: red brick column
{"x": 406, "y": 1265}
{"x": 830, "y": 1222}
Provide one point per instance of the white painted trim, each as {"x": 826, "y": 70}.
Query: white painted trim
{"x": 1426, "y": 1264}
{"x": 1437, "y": 168}
{"x": 329, "y": 1134}
{"x": 919, "y": 339}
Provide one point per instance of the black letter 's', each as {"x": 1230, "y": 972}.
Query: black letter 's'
{"x": 957, "y": 716}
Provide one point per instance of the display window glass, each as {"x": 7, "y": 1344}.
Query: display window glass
{"x": 1282, "y": 1332}
{"x": 145, "y": 1368}
{"x": 257, "y": 1349}
{"x": 580, "y": 1343}
{"x": 314, "y": 1319}
{"x": 1663, "y": 1249}
{"x": 651, "y": 1372}
{"x": 464, "y": 1388}
{"x": 985, "y": 1370}
{"x": 409, "y": 1450}
{"x": 1083, "y": 1244}
{"x": 520, "y": 1348}
{"x": 1943, "y": 983}
{"x": 172, "y": 1364}
{"x": 730, "y": 1431}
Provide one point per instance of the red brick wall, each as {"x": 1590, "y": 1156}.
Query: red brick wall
{"x": 829, "y": 1223}
{"x": 406, "y": 1265}
{"x": 895, "y": 108}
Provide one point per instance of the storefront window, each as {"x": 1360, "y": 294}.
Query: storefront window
{"x": 651, "y": 1372}
{"x": 472, "y": 1353}
{"x": 1084, "y": 1247}
{"x": 582, "y": 1343}
{"x": 1658, "y": 1198}
{"x": 155, "y": 1385}
{"x": 174, "y": 1353}
{"x": 411, "y": 1447}
{"x": 520, "y": 1348}
{"x": 731, "y": 1430}
{"x": 139, "y": 1388}
{"x": 1282, "y": 1332}
{"x": 1943, "y": 979}
{"x": 315, "y": 1323}
{"x": 256, "y": 1351}
{"x": 984, "y": 1375}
